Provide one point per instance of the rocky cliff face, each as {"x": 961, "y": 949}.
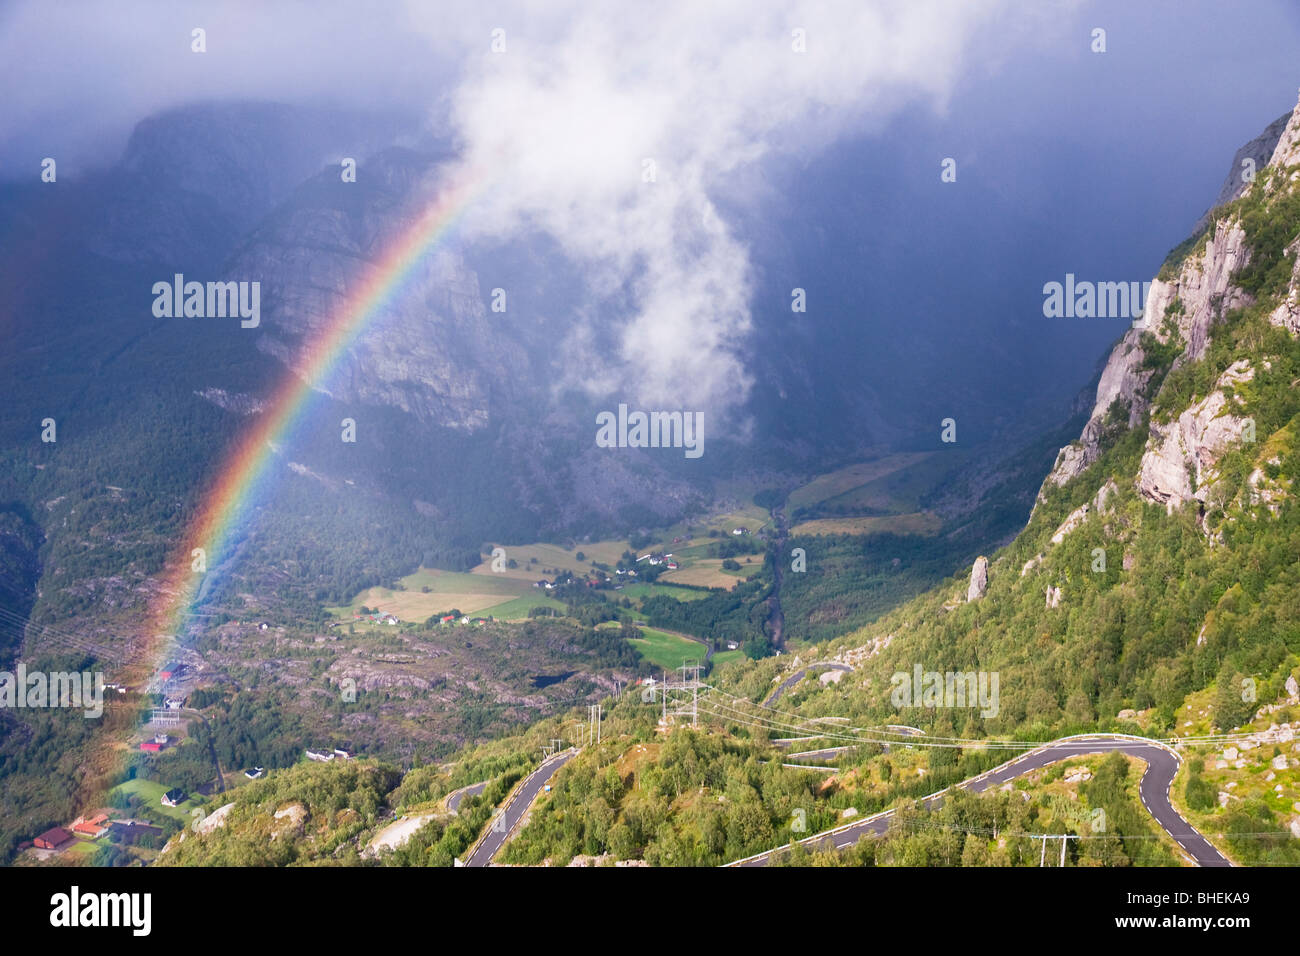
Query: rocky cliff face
{"x": 1181, "y": 311}
{"x": 1260, "y": 152}
{"x": 1179, "y": 462}
{"x": 430, "y": 349}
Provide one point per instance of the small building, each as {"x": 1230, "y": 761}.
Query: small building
{"x": 173, "y": 797}
{"x": 254, "y": 773}
{"x": 53, "y": 839}
{"x": 94, "y": 827}
{"x": 151, "y": 746}
{"x": 320, "y": 755}
{"x": 342, "y": 754}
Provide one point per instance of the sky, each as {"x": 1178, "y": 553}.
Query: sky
{"x": 632, "y": 137}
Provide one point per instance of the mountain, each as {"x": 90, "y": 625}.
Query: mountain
{"x": 1155, "y": 571}
{"x": 1153, "y": 592}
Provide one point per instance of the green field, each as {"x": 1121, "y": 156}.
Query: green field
{"x": 892, "y": 484}
{"x": 919, "y": 523}
{"x": 667, "y": 650}
{"x": 517, "y": 609}
{"x": 470, "y": 593}
{"x": 151, "y": 793}
{"x": 640, "y": 592}
{"x": 726, "y": 657}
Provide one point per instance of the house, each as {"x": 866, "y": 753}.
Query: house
{"x": 151, "y": 746}
{"x": 672, "y": 565}
{"x": 342, "y": 754}
{"x": 52, "y": 839}
{"x": 171, "y": 670}
{"x": 732, "y": 645}
{"x": 173, "y": 797}
{"x": 737, "y": 530}
{"x": 254, "y": 773}
{"x": 448, "y": 618}
{"x": 95, "y": 827}
{"x": 389, "y": 619}
{"x": 321, "y": 755}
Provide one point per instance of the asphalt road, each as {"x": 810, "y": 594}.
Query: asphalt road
{"x": 455, "y": 798}
{"x": 516, "y": 806}
{"x": 797, "y": 676}
{"x": 1161, "y": 762}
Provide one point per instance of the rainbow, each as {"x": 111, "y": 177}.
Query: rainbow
{"x": 223, "y": 508}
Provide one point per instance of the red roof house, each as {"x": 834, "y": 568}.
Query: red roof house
{"x": 53, "y": 839}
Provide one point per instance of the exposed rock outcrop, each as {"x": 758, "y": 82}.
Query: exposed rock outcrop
{"x": 979, "y": 579}
{"x": 1287, "y": 313}
{"x": 1188, "y": 304}
{"x": 1180, "y": 458}
{"x": 1072, "y": 521}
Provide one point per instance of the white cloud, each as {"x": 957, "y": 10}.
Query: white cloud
{"x": 557, "y": 126}
{"x": 560, "y": 124}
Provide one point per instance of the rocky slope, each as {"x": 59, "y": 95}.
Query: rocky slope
{"x": 1185, "y": 303}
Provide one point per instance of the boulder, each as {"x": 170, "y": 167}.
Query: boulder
{"x": 979, "y": 579}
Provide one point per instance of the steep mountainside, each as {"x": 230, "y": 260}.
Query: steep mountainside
{"x": 1154, "y": 591}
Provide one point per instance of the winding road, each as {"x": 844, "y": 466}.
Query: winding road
{"x": 456, "y": 797}
{"x": 1161, "y": 766}
{"x": 517, "y": 804}
{"x": 799, "y": 675}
